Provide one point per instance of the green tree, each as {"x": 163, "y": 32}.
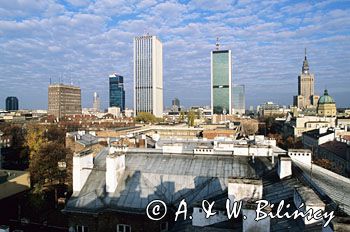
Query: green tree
{"x": 145, "y": 117}
{"x": 190, "y": 118}
{"x": 43, "y": 164}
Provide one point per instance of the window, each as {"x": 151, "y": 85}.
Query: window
{"x": 123, "y": 228}
{"x": 80, "y": 228}
{"x": 164, "y": 226}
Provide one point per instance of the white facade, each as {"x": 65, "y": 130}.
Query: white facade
{"x": 303, "y": 156}
{"x": 148, "y": 75}
{"x": 114, "y": 111}
{"x": 284, "y": 168}
{"x": 82, "y": 166}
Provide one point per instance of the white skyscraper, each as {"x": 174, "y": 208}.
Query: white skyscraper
{"x": 96, "y": 102}
{"x": 148, "y": 75}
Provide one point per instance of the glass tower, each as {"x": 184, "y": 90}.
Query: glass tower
{"x": 11, "y": 103}
{"x": 238, "y": 99}
{"x": 116, "y": 91}
{"x": 221, "y": 79}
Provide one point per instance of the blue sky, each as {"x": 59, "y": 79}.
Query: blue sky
{"x": 84, "y": 41}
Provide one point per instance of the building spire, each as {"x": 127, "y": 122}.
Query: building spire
{"x": 217, "y": 45}
{"x": 305, "y": 68}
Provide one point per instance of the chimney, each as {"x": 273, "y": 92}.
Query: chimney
{"x": 244, "y": 188}
{"x": 115, "y": 166}
{"x": 82, "y": 166}
{"x": 284, "y": 166}
{"x": 305, "y": 195}
{"x": 249, "y": 224}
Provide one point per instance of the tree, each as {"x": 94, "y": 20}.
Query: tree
{"x": 249, "y": 127}
{"x": 34, "y": 139}
{"x": 145, "y": 117}
{"x": 43, "y": 165}
{"x": 190, "y": 118}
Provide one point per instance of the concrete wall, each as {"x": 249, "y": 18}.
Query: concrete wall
{"x": 284, "y": 167}
{"x": 302, "y": 156}
{"x": 244, "y": 188}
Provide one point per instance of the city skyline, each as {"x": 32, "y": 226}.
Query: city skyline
{"x": 84, "y": 42}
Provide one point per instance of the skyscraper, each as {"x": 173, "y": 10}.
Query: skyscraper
{"x": 306, "y": 97}
{"x": 116, "y": 91}
{"x": 221, "y": 78}
{"x": 238, "y": 99}
{"x": 11, "y": 103}
{"x": 148, "y": 75}
{"x": 64, "y": 100}
{"x": 96, "y": 104}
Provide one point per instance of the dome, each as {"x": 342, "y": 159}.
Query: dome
{"x": 326, "y": 99}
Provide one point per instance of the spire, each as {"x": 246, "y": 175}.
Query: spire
{"x": 217, "y": 44}
{"x": 305, "y": 68}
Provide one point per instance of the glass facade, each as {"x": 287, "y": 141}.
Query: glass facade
{"x": 11, "y": 103}
{"x": 238, "y": 99}
{"x": 221, "y": 82}
{"x": 116, "y": 91}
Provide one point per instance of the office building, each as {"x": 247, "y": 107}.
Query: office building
{"x": 96, "y": 103}
{"x": 175, "y": 105}
{"x": 148, "y": 75}
{"x": 238, "y": 99}
{"x": 306, "y": 82}
{"x": 64, "y": 100}
{"x": 11, "y": 103}
{"x": 221, "y": 78}
{"x": 116, "y": 91}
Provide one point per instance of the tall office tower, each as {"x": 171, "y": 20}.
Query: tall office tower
{"x": 306, "y": 97}
{"x": 96, "y": 104}
{"x": 11, "y": 103}
{"x": 221, "y": 79}
{"x": 238, "y": 99}
{"x": 116, "y": 91}
{"x": 175, "y": 104}
{"x": 64, "y": 100}
{"x": 148, "y": 75}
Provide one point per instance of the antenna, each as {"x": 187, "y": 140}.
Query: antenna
{"x": 217, "y": 43}
{"x": 305, "y": 53}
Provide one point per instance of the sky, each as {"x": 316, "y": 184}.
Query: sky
{"x": 82, "y": 42}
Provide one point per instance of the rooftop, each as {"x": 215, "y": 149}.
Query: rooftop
{"x": 336, "y": 147}
{"x": 316, "y": 133}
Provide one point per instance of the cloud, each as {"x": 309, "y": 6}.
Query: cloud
{"x": 84, "y": 41}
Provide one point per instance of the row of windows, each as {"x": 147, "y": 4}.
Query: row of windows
{"x": 299, "y": 154}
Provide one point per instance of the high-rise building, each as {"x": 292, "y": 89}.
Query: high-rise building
{"x": 238, "y": 99}
{"x": 64, "y": 100}
{"x": 221, "y": 79}
{"x": 148, "y": 75}
{"x": 306, "y": 82}
{"x": 116, "y": 91}
{"x": 96, "y": 103}
{"x": 175, "y": 104}
{"x": 11, "y": 103}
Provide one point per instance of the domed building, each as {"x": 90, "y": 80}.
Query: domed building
{"x": 326, "y": 106}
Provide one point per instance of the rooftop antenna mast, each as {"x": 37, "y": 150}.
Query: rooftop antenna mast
{"x": 217, "y": 45}
{"x": 305, "y": 53}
